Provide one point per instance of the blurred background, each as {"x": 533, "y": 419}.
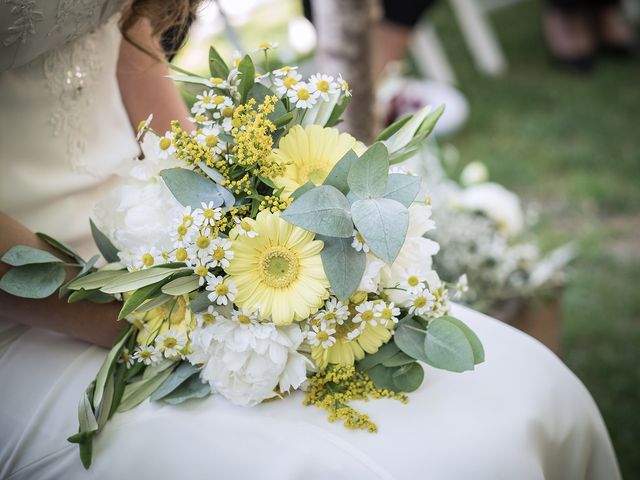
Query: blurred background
{"x": 537, "y": 105}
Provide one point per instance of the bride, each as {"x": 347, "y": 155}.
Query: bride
{"x": 71, "y": 90}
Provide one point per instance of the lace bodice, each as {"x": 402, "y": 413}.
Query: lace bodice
{"x": 63, "y": 128}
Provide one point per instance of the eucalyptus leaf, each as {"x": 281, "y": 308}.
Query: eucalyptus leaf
{"x": 19, "y": 255}
{"x": 382, "y": 377}
{"x": 38, "y": 280}
{"x": 58, "y": 245}
{"x": 141, "y": 278}
{"x": 447, "y": 347}
{"x": 193, "y": 387}
{"x": 368, "y": 174}
{"x": 192, "y": 189}
{"x": 183, "y": 371}
{"x": 211, "y": 172}
{"x": 107, "y": 366}
{"x": 338, "y": 175}
{"x": 408, "y": 378}
{"x": 247, "y": 77}
{"x": 95, "y": 280}
{"x": 323, "y": 210}
{"x": 181, "y": 285}
{"x": 217, "y": 65}
{"x": 383, "y": 223}
{"x": 136, "y": 393}
{"x": 398, "y": 360}
{"x": 107, "y": 249}
{"x": 302, "y": 189}
{"x": 385, "y": 352}
{"x": 409, "y": 337}
{"x": 343, "y": 265}
{"x": 403, "y": 188}
{"x": 474, "y": 341}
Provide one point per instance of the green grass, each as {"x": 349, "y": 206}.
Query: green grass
{"x": 570, "y": 144}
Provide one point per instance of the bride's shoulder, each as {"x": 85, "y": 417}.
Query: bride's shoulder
{"x": 30, "y": 28}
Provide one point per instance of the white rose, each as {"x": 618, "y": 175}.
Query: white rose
{"x": 245, "y": 363}
{"x": 497, "y": 203}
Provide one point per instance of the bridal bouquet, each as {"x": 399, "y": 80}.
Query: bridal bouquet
{"x": 262, "y": 253}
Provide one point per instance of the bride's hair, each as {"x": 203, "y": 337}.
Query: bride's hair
{"x": 170, "y": 20}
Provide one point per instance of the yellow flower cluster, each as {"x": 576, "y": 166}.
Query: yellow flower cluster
{"x": 252, "y": 132}
{"x": 188, "y": 149}
{"x": 274, "y": 203}
{"x": 332, "y": 389}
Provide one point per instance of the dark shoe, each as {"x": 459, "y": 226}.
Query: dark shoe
{"x": 569, "y": 39}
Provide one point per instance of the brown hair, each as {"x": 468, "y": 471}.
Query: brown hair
{"x": 170, "y": 21}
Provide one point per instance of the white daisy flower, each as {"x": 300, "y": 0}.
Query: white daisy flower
{"x": 462, "y": 286}
{"x": 147, "y": 354}
{"x": 286, "y": 83}
{"x": 325, "y": 85}
{"x": 126, "y": 357}
{"x": 421, "y": 303}
{"x": 303, "y": 95}
{"x": 141, "y": 259}
{"x": 209, "y": 317}
{"x": 387, "y": 312}
{"x": 244, "y": 228}
{"x": 356, "y": 332}
{"x": 358, "y": 242}
{"x": 222, "y": 252}
{"x": 321, "y": 334}
{"x": 166, "y": 146}
{"x": 217, "y": 82}
{"x": 334, "y": 311}
{"x": 210, "y": 138}
{"x": 264, "y": 46}
{"x": 201, "y": 120}
{"x": 210, "y": 214}
{"x": 344, "y": 86}
{"x": 204, "y": 102}
{"x": 201, "y": 266}
{"x": 413, "y": 282}
{"x": 222, "y": 291}
{"x": 366, "y": 314}
{"x": 202, "y": 246}
{"x": 244, "y": 317}
{"x": 171, "y": 343}
{"x": 192, "y": 217}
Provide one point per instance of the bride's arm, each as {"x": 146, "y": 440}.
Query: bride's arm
{"x": 92, "y": 322}
{"x": 143, "y": 83}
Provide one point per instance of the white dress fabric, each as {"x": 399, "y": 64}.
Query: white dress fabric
{"x": 522, "y": 414}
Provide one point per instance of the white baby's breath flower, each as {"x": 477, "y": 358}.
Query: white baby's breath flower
{"x": 147, "y": 354}
{"x": 325, "y": 85}
{"x": 221, "y": 252}
{"x": 222, "y": 291}
{"x": 358, "y": 242}
{"x": 303, "y": 95}
{"x": 171, "y": 343}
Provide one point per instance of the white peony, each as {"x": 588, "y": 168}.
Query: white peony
{"x": 245, "y": 362}
{"x": 497, "y": 203}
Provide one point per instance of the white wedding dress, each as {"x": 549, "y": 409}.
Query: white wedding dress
{"x": 521, "y": 415}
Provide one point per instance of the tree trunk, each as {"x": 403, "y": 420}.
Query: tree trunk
{"x": 345, "y": 45}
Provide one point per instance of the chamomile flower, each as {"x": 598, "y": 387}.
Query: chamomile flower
{"x": 286, "y": 83}
{"x": 179, "y": 252}
{"x": 209, "y": 317}
{"x": 284, "y": 71}
{"x": 167, "y": 148}
{"x": 421, "y": 302}
{"x": 204, "y": 102}
{"x": 334, "y": 311}
{"x": 201, "y": 120}
{"x": 202, "y": 246}
{"x": 264, "y": 46}
{"x": 358, "y": 242}
{"x": 147, "y": 354}
{"x": 388, "y": 313}
{"x": 322, "y": 334}
{"x": 225, "y": 117}
{"x": 142, "y": 258}
{"x": 222, "y": 291}
{"x": 221, "y": 102}
{"x": 325, "y": 85}
{"x": 192, "y": 217}
{"x": 221, "y": 252}
{"x": 244, "y": 228}
{"x": 303, "y": 95}
{"x": 344, "y": 86}
{"x": 210, "y": 214}
{"x": 201, "y": 266}
{"x": 244, "y": 317}
{"x": 210, "y": 138}
{"x": 462, "y": 286}
{"x": 126, "y": 358}
{"x": 413, "y": 282}
{"x": 171, "y": 343}
{"x": 217, "y": 82}
{"x": 367, "y": 314}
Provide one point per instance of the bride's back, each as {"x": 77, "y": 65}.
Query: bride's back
{"x": 63, "y": 128}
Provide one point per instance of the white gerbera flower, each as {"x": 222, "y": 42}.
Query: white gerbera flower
{"x": 222, "y": 291}
{"x": 221, "y": 252}
{"x": 147, "y": 354}
{"x": 325, "y": 85}
{"x": 358, "y": 242}
{"x": 284, "y": 84}
{"x": 303, "y": 95}
{"x": 171, "y": 343}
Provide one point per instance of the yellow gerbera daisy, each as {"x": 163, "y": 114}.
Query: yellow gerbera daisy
{"x": 174, "y": 314}
{"x": 310, "y": 153}
{"x": 278, "y": 271}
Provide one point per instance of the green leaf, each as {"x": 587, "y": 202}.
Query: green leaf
{"x": 193, "y": 387}
{"x": 409, "y": 337}
{"x": 282, "y": 120}
{"x": 338, "y": 175}
{"x": 154, "y": 302}
{"x": 108, "y": 251}
{"x": 141, "y": 278}
{"x": 104, "y": 409}
{"x": 211, "y": 172}
{"x": 385, "y": 352}
{"x": 19, "y": 255}
{"x": 402, "y": 153}
{"x": 398, "y": 360}
{"x": 95, "y": 280}
{"x": 323, "y": 210}
{"x": 136, "y": 393}
{"x": 343, "y": 265}
{"x": 429, "y": 123}
{"x": 173, "y": 381}
{"x": 95, "y": 296}
{"x": 382, "y": 377}
{"x": 152, "y": 371}
{"x": 38, "y": 280}
{"x": 474, "y": 341}
{"x": 200, "y": 303}
{"x": 393, "y": 128}
{"x": 447, "y": 347}
{"x": 279, "y": 116}
{"x": 368, "y": 173}
{"x": 217, "y": 65}
{"x": 192, "y": 189}
{"x": 334, "y": 119}
{"x": 107, "y": 366}
{"x": 403, "y": 188}
{"x": 137, "y": 298}
{"x": 408, "y": 377}
{"x": 247, "y": 77}
{"x": 58, "y": 245}
{"x": 86, "y": 417}
{"x": 181, "y": 286}
{"x": 303, "y": 189}
{"x": 383, "y": 224}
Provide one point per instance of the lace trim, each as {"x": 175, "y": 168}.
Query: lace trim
{"x": 25, "y": 23}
